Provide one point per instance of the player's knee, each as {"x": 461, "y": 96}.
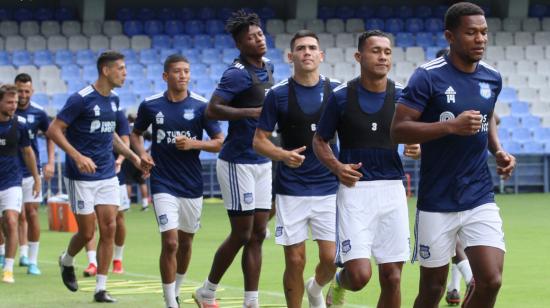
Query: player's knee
{"x": 433, "y": 289}
{"x": 296, "y": 261}
{"x": 390, "y": 279}
{"x": 490, "y": 284}
{"x": 358, "y": 279}
{"x": 259, "y": 235}
{"x": 107, "y": 228}
{"x": 327, "y": 259}
{"x": 170, "y": 246}
{"x": 242, "y": 238}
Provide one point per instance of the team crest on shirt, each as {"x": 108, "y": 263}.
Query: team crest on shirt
{"x": 159, "y": 118}
{"x": 446, "y": 116}
{"x": 30, "y": 118}
{"x": 189, "y": 114}
{"x": 346, "y": 246}
{"x": 278, "y": 231}
{"x": 248, "y": 198}
{"x": 425, "y": 251}
{"x": 80, "y": 204}
{"x": 163, "y": 219}
{"x": 113, "y": 106}
{"x": 484, "y": 90}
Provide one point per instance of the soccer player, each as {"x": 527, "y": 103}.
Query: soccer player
{"x": 447, "y": 107}
{"x": 178, "y": 120}
{"x": 371, "y": 203}
{"x": 305, "y": 189}
{"x": 37, "y": 119}
{"x": 243, "y": 174}
{"x": 85, "y": 129}
{"x": 14, "y": 137}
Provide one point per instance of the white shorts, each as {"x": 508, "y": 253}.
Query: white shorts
{"x": 124, "y": 200}
{"x": 28, "y": 182}
{"x": 436, "y": 233}
{"x": 177, "y": 213}
{"x": 85, "y": 195}
{"x": 372, "y": 219}
{"x": 245, "y": 187}
{"x": 11, "y": 199}
{"x": 295, "y": 214}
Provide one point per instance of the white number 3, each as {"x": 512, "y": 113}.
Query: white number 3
{"x": 374, "y": 126}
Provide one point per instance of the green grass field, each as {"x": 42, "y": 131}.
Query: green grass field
{"x": 526, "y": 274}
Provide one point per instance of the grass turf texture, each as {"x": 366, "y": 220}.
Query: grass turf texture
{"x": 525, "y": 282}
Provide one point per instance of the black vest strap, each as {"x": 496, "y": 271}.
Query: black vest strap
{"x": 358, "y": 129}
{"x": 9, "y": 140}
{"x": 253, "y": 96}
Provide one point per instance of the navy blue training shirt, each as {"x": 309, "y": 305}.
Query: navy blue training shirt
{"x": 9, "y": 165}
{"x": 122, "y": 129}
{"x": 37, "y": 119}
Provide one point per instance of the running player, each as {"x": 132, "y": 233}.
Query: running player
{"x": 448, "y": 107}
{"x": 37, "y": 119}
{"x": 178, "y": 120}
{"x": 14, "y": 137}
{"x": 244, "y": 175}
{"x": 305, "y": 189}
{"x": 85, "y": 130}
{"x": 372, "y": 214}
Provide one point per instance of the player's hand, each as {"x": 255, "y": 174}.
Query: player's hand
{"x": 256, "y": 112}
{"x": 412, "y": 151}
{"x": 118, "y": 165}
{"x": 348, "y": 174}
{"x": 145, "y": 164}
{"x": 505, "y": 164}
{"x": 466, "y": 124}
{"x": 185, "y": 143}
{"x": 293, "y": 158}
{"x": 49, "y": 170}
{"x": 85, "y": 164}
{"x": 36, "y": 187}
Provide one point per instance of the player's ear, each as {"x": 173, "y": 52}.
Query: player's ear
{"x": 449, "y": 36}
{"x": 357, "y": 57}
{"x": 165, "y": 76}
{"x": 322, "y": 55}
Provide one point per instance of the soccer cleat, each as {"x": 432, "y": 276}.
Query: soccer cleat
{"x": 335, "y": 295}
{"x": 33, "y": 270}
{"x": 23, "y": 261}
{"x": 251, "y": 304}
{"x": 117, "y": 267}
{"x": 90, "y": 271}
{"x": 314, "y": 301}
{"x": 470, "y": 288}
{"x": 103, "y": 297}
{"x": 2, "y": 259}
{"x": 144, "y": 208}
{"x": 68, "y": 276}
{"x": 8, "y": 277}
{"x": 453, "y": 298}
{"x": 203, "y": 302}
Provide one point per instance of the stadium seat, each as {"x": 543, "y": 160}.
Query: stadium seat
{"x": 198, "y": 69}
{"x": 282, "y": 40}
{"x": 216, "y": 70}
{"x": 364, "y": 12}
{"x": 537, "y": 81}
{"x": 384, "y": 12}
{"x": 140, "y": 42}
{"x": 118, "y": 42}
{"x": 75, "y": 85}
{"x": 99, "y": 42}
{"x": 57, "y": 42}
{"x": 334, "y": 55}
{"x": 173, "y": 27}
{"x": 523, "y": 38}
{"x": 530, "y": 24}
{"x": 414, "y": 25}
{"x": 512, "y": 147}
{"x": 423, "y": 11}
{"x": 214, "y": 26}
{"x": 404, "y": 39}
{"x": 541, "y": 133}
{"x": 494, "y": 24}
{"x": 132, "y": 27}
{"x": 316, "y": 25}
{"x": 327, "y": 40}
{"x": 159, "y": 85}
{"x": 275, "y": 26}
{"x": 434, "y": 25}
{"x": 344, "y": 12}
{"x": 507, "y": 95}
{"x": 344, "y": 40}
{"x": 149, "y": 56}
{"x": 114, "y": 27}
{"x": 21, "y": 57}
{"x": 222, "y": 41}
{"x": 54, "y": 86}
{"x": 415, "y": 54}
{"x": 334, "y": 26}
{"x": 542, "y": 38}
{"x": 511, "y": 24}
{"x": 354, "y": 25}
{"x": 533, "y": 147}
{"x": 375, "y": 24}
{"x": 182, "y": 41}
{"x": 325, "y": 12}
{"x": 22, "y": 14}
{"x": 7, "y": 72}
{"x": 205, "y": 85}
{"x": 127, "y": 100}
{"x": 202, "y": 41}
{"x": 538, "y": 10}
{"x": 495, "y": 53}
{"x": 166, "y": 14}
{"x": 89, "y": 73}
{"x": 514, "y": 53}
{"x": 47, "y": 72}
{"x": 542, "y": 107}
{"x": 135, "y": 71}
{"x": 514, "y": 80}
{"x": 283, "y": 71}
{"x": 70, "y": 72}
{"x": 526, "y": 67}
{"x": 15, "y": 42}
{"x": 71, "y": 28}
{"x": 142, "y": 86}
{"x": 504, "y": 38}
{"x": 153, "y": 27}
{"x": 43, "y": 57}
{"x": 9, "y": 28}
{"x": 4, "y": 56}
{"x": 531, "y": 122}
{"x": 85, "y": 57}
{"x": 154, "y": 71}
{"x": 534, "y": 52}
{"x": 124, "y": 14}
{"x": 344, "y": 71}
{"x": 265, "y": 12}
{"x": 294, "y": 25}
{"x": 91, "y": 27}
{"x": 63, "y": 57}
{"x": 206, "y": 13}
{"x": 210, "y": 56}
{"x": 64, "y": 13}
{"x": 145, "y": 13}
{"x": 192, "y": 54}
{"x": 424, "y": 39}
{"x": 41, "y": 99}
{"x": 404, "y": 69}
{"x": 161, "y": 41}
{"x": 404, "y": 12}
{"x": 394, "y": 25}
{"x": 49, "y": 28}
{"x": 510, "y": 122}
{"x": 35, "y": 42}
{"x": 164, "y": 53}
{"x": 5, "y": 14}
{"x": 185, "y": 13}
{"x": 77, "y": 42}
{"x": 194, "y": 27}
{"x": 229, "y": 54}
{"x": 29, "y": 28}
{"x": 275, "y": 55}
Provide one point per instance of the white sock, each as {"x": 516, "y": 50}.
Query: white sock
{"x": 8, "y": 265}
{"x": 250, "y": 296}
{"x": 100, "y": 282}
{"x": 92, "y": 257}
{"x": 209, "y": 289}
{"x": 33, "y": 252}
{"x": 2, "y": 249}
{"x": 118, "y": 252}
{"x": 144, "y": 202}
{"x": 315, "y": 289}
{"x": 465, "y": 270}
{"x": 179, "y": 281}
{"x": 67, "y": 260}
{"x": 23, "y": 251}
{"x": 454, "y": 280}
{"x": 169, "y": 290}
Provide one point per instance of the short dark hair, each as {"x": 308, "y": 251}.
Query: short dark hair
{"x": 240, "y": 21}
{"x": 107, "y": 57}
{"x": 174, "y": 58}
{"x": 365, "y": 35}
{"x": 23, "y": 77}
{"x": 457, "y": 10}
{"x": 442, "y": 52}
{"x": 7, "y": 88}
{"x": 300, "y": 34}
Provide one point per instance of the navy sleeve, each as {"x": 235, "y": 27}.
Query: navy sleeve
{"x": 122, "y": 127}
{"x": 268, "y": 118}
{"x": 234, "y": 80}
{"x": 212, "y": 127}
{"x": 72, "y": 109}
{"x": 418, "y": 92}
{"x": 44, "y": 122}
{"x": 330, "y": 118}
{"x": 143, "y": 120}
{"x": 24, "y": 139}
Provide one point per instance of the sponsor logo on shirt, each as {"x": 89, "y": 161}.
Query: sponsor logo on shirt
{"x": 170, "y": 135}
{"x": 451, "y": 95}
{"x": 102, "y": 126}
{"x": 484, "y": 90}
{"x": 446, "y": 116}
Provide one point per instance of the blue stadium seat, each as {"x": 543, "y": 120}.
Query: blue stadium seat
{"x": 364, "y": 12}
{"x": 130, "y": 56}
{"x": 374, "y": 23}
{"x": 266, "y": 12}
{"x": 541, "y": 133}
{"x": 182, "y": 41}
{"x": 222, "y": 41}
{"x": 64, "y": 13}
{"x": 133, "y": 27}
{"x": 433, "y": 25}
{"x": 63, "y": 57}
{"x": 164, "y": 53}
{"x": 198, "y": 69}
{"x": 404, "y": 39}
{"x": 85, "y": 56}
{"x": 423, "y": 11}
{"x": 75, "y": 85}
{"x": 194, "y": 27}
{"x": 22, "y": 14}
{"x": 275, "y": 55}
{"x": 224, "y": 13}
{"x": 425, "y": 39}
{"x": 89, "y": 73}
{"x": 134, "y": 71}
{"x": 204, "y": 85}
{"x": 159, "y": 85}
{"x": 210, "y": 56}
{"x": 414, "y": 25}
{"x": 504, "y": 134}
{"x": 41, "y": 98}
{"x": 216, "y": 70}
{"x": 145, "y": 13}
{"x": 127, "y": 100}
{"x": 70, "y": 72}
{"x": 439, "y": 11}
{"x": 126, "y": 88}
{"x": 153, "y": 27}
{"x": 282, "y": 71}
{"x": 142, "y": 86}
{"x": 394, "y": 25}
{"x": 185, "y": 13}
{"x": 162, "y": 41}
{"x": 193, "y": 55}
{"x": 43, "y": 13}
{"x": 154, "y": 71}
{"x": 538, "y": 10}
{"x": 173, "y": 27}
{"x": 533, "y": 147}
{"x": 508, "y": 95}
{"x": 166, "y": 14}
{"x": 441, "y": 41}
{"x": 530, "y": 121}
{"x": 206, "y": 13}
{"x": 547, "y": 147}
{"x": 21, "y": 57}
{"x": 384, "y": 12}
{"x": 512, "y": 147}
{"x": 149, "y": 56}
{"x": 519, "y": 108}
{"x": 510, "y": 122}
{"x": 521, "y": 134}
{"x": 229, "y": 55}
{"x": 269, "y": 40}
{"x": 43, "y": 57}
{"x": 345, "y": 12}
{"x": 124, "y": 14}
{"x": 202, "y": 41}
{"x": 215, "y": 26}
{"x": 5, "y": 14}
{"x": 4, "y": 58}
{"x": 431, "y": 52}
{"x": 325, "y": 12}
{"x": 404, "y": 12}
{"x": 59, "y": 100}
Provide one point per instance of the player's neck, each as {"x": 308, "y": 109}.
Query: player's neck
{"x": 254, "y": 60}
{"x": 4, "y": 118}
{"x": 307, "y": 79}
{"x": 374, "y": 84}
{"x": 103, "y": 87}
{"x": 460, "y": 64}
{"x": 23, "y": 107}
{"x": 176, "y": 96}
